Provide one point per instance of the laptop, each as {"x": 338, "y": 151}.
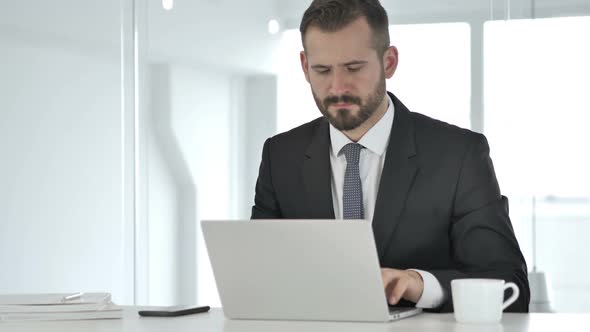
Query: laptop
{"x": 324, "y": 270}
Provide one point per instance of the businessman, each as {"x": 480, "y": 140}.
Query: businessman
{"x": 428, "y": 187}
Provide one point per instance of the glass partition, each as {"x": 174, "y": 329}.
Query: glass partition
{"x": 61, "y": 213}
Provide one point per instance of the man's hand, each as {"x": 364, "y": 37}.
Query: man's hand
{"x": 398, "y": 284}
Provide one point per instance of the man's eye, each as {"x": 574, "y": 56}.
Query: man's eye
{"x": 353, "y": 68}
{"x": 322, "y": 71}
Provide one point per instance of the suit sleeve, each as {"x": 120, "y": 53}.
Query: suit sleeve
{"x": 266, "y": 205}
{"x": 483, "y": 243}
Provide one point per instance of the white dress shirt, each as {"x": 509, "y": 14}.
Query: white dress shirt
{"x": 372, "y": 157}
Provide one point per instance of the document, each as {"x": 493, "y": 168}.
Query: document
{"x": 54, "y": 299}
{"x": 67, "y": 306}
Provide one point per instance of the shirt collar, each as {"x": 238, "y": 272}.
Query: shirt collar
{"x": 375, "y": 139}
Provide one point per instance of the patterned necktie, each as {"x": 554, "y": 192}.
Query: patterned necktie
{"x": 352, "y": 195}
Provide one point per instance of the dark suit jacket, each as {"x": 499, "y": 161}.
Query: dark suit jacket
{"x": 438, "y": 208}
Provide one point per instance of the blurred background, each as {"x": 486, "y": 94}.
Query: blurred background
{"x": 125, "y": 123}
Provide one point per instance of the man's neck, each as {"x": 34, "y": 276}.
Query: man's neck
{"x": 356, "y": 134}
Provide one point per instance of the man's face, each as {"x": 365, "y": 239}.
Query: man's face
{"x": 346, "y": 74}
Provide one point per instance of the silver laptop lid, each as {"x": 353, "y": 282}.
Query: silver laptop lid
{"x": 297, "y": 269}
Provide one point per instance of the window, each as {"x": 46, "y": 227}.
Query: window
{"x": 537, "y": 79}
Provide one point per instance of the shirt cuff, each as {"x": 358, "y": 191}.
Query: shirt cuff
{"x": 433, "y": 294}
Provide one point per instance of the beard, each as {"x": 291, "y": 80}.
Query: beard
{"x": 345, "y": 119}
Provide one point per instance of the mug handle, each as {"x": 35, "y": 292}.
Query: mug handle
{"x": 515, "y": 293}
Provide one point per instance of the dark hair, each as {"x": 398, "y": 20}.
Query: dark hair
{"x": 333, "y": 15}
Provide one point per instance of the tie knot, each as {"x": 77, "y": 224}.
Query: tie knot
{"x": 352, "y": 152}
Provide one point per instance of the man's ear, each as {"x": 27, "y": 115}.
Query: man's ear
{"x": 390, "y": 60}
{"x": 304, "y": 65}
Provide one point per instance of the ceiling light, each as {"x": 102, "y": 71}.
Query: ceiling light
{"x": 168, "y": 4}
{"x": 273, "y": 26}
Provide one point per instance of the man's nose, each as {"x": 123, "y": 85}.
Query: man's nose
{"x": 340, "y": 83}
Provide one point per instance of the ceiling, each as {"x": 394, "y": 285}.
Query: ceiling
{"x": 228, "y": 34}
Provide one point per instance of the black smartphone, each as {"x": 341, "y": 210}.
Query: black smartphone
{"x": 174, "y": 311}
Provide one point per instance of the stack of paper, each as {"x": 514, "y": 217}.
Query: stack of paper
{"x": 58, "y": 307}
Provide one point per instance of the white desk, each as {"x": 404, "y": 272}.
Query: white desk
{"x": 214, "y": 321}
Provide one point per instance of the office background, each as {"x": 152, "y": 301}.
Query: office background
{"x": 123, "y": 123}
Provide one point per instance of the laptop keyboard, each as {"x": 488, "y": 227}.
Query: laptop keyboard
{"x": 393, "y": 311}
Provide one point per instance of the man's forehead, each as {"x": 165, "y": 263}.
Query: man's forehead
{"x": 352, "y": 42}
{"x": 340, "y": 55}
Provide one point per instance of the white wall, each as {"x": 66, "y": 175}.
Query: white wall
{"x": 207, "y": 128}
{"x": 201, "y": 116}
{"x": 61, "y": 224}
{"x": 189, "y": 158}
{"x": 163, "y": 168}
{"x": 257, "y": 123}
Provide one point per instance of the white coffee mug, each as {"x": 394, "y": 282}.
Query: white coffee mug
{"x": 481, "y": 300}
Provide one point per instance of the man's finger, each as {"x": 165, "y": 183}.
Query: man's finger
{"x": 399, "y": 289}
{"x": 389, "y": 275}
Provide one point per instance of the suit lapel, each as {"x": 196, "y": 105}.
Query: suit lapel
{"x": 317, "y": 174}
{"x": 397, "y": 177}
